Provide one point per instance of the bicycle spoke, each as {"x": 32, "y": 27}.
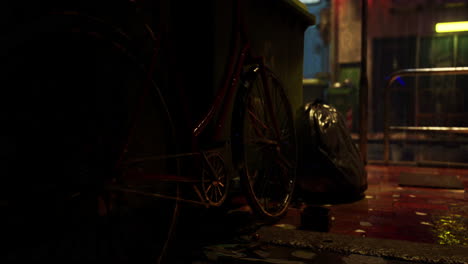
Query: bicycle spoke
{"x": 210, "y": 195}
{"x": 282, "y": 118}
{"x": 283, "y": 179}
{"x": 284, "y": 161}
{"x": 209, "y": 188}
{"x": 268, "y": 192}
{"x": 261, "y": 95}
{"x": 215, "y": 179}
{"x": 221, "y": 177}
{"x": 219, "y": 190}
{"x": 256, "y": 128}
{"x": 219, "y": 171}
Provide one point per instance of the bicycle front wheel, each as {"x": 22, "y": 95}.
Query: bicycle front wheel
{"x": 265, "y": 143}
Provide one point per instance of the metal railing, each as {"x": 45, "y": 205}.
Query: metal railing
{"x": 416, "y": 72}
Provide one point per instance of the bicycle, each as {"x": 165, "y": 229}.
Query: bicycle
{"x": 261, "y": 120}
{"x": 262, "y": 135}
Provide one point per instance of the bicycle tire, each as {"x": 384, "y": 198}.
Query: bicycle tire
{"x": 261, "y": 153}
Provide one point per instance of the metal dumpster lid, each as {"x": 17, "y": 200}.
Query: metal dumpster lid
{"x": 301, "y": 10}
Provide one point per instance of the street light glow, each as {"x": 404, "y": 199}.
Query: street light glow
{"x": 310, "y": 1}
{"x": 452, "y": 26}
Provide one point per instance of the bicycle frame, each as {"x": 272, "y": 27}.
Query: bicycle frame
{"x": 145, "y": 144}
{"x": 240, "y": 56}
{"x": 230, "y": 85}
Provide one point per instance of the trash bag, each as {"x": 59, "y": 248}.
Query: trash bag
{"x": 330, "y": 164}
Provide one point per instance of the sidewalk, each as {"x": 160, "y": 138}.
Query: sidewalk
{"x": 279, "y": 245}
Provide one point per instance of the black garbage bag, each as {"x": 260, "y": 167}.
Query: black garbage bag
{"x": 330, "y": 165}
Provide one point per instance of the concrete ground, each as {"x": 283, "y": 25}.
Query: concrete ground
{"x": 277, "y": 245}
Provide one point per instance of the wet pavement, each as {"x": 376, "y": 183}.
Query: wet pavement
{"x": 267, "y": 253}
{"x": 390, "y": 211}
{"x": 391, "y": 224}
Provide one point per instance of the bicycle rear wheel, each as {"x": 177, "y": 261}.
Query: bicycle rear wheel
{"x": 265, "y": 143}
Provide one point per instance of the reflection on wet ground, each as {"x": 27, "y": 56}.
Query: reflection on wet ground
{"x": 354, "y": 232}
{"x": 390, "y": 211}
{"x": 451, "y": 229}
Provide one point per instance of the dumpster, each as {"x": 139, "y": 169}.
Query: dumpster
{"x": 276, "y": 29}
{"x": 201, "y": 32}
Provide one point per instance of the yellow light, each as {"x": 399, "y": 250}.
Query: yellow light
{"x": 452, "y": 26}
